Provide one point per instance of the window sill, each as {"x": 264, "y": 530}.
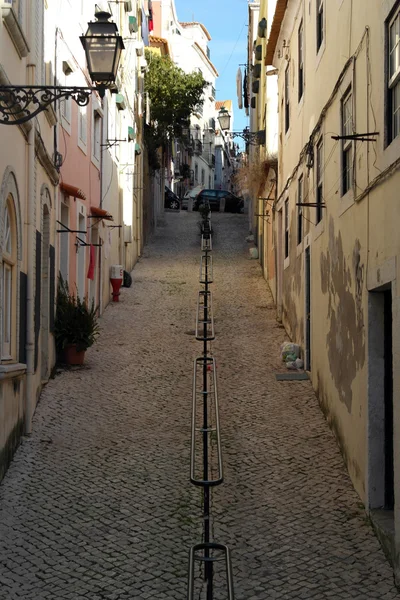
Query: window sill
{"x": 346, "y": 202}
{"x": 319, "y": 229}
{"x": 286, "y": 263}
{"x": 11, "y": 370}
{"x": 320, "y": 53}
{"x": 299, "y": 248}
{"x": 15, "y": 30}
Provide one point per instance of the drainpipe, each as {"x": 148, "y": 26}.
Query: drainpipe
{"x": 31, "y": 251}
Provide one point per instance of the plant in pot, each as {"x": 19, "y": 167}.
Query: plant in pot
{"x": 76, "y": 325}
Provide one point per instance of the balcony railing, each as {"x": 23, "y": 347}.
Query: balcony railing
{"x": 198, "y": 110}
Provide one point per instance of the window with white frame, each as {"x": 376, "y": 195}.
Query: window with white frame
{"x": 319, "y": 192}
{"x": 63, "y": 240}
{"x": 82, "y": 125}
{"x": 300, "y": 68}
{"x": 299, "y": 210}
{"x": 287, "y": 100}
{"x": 287, "y": 228}
{"x": 394, "y": 76}
{"x": 9, "y": 277}
{"x": 347, "y": 144}
{"x": 118, "y": 119}
{"x": 96, "y": 134}
{"x": 320, "y": 23}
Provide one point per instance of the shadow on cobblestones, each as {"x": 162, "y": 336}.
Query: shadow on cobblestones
{"x": 97, "y": 502}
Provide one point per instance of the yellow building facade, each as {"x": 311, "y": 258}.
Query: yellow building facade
{"x": 336, "y": 218}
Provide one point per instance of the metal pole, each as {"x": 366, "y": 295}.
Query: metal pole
{"x": 208, "y": 568}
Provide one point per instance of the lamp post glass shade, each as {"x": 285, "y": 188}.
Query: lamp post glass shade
{"x": 224, "y": 119}
{"x": 103, "y": 47}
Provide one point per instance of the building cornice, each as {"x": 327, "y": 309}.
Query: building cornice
{"x": 205, "y": 57}
{"x": 279, "y": 15}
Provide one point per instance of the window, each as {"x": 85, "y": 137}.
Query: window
{"x": 394, "y": 77}
{"x": 64, "y": 242}
{"x": 117, "y": 132}
{"x": 319, "y": 172}
{"x": 347, "y": 145}
{"x": 203, "y": 177}
{"x": 287, "y": 104}
{"x": 299, "y": 210}
{"x": 82, "y": 125}
{"x": 9, "y": 276}
{"x": 320, "y": 23}
{"x": 65, "y": 105}
{"x": 196, "y": 173}
{"x": 96, "y": 134}
{"x": 300, "y": 73}
{"x": 286, "y": 228}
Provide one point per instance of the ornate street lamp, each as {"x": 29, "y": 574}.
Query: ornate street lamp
{"x": 224, "y": 119}
{"x": 250, "y": 137}
{"x": 102, "y": 45}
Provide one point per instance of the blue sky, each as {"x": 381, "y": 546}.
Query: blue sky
{"x": 226, "y": 21}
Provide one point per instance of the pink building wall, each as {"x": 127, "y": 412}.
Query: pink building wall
{"x": 79, "y": 170}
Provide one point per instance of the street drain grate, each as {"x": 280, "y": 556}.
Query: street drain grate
{"x": 291, "y": 376}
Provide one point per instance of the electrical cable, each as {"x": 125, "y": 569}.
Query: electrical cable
{"x": 233, "y": 50}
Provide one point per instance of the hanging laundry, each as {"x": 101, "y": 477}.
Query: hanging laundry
{"x": 151, "y": 22}
{"x": 92, "y": 262}
{"x": 246, "y": 94}
{"x": 145, "y": 26}
{"x": 239, "y": 87}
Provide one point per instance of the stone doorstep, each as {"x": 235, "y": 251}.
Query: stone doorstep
{"x": 383, "y": 524}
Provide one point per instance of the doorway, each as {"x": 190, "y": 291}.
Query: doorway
{"x": 307, "y": 362}
{"x": 45, "y": 295}
{"x": 380, "y": 400}
{"x": 388, "y": 398}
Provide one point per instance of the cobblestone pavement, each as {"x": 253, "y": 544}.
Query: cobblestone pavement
{"x": 97, "y": 503}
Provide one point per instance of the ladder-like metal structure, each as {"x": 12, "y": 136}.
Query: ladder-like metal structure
{"x": 206, "y": 470}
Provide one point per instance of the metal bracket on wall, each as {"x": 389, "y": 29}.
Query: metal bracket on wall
{"x": 111, "y": 143}
{"x": 68, "y": 230}
{"x": 357, "y": 137}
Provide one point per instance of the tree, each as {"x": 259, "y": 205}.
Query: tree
{"x": 173, "y": 95}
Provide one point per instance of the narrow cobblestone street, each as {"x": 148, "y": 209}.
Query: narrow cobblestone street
{"x": 97, "y": 503}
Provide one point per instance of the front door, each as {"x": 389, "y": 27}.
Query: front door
{"x": 308, "y": 309}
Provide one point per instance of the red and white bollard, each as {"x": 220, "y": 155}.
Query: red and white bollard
{"x": 116, "y": 279}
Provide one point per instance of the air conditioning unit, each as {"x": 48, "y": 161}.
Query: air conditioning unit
{"x": 120, "y": 102}
{"x": 127, "y": 234}
{"x": 133, "y": 24}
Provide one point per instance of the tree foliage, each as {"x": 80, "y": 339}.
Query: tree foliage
{"x": 173, "y": 95}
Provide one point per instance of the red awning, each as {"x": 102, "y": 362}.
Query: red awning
{"x": 71, "y": 190}
{"x": 100, "y": 213}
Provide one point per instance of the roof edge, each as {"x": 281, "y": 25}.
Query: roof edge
{"x": 280, "y": 11}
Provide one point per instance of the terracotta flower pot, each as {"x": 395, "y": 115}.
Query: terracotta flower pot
{"x": 72, "y": 356}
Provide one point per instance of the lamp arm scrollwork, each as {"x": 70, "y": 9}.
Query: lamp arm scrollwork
{"x": 19, "y": 104}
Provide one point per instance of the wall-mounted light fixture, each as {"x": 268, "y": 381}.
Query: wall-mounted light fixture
{"x": 250, "y": 137}
{"x": 103, "y": 47}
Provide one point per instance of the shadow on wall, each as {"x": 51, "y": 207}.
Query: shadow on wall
{"x": 345, "y": 340}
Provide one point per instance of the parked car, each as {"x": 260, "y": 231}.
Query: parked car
{"x": 171, "y": 200}
{"x": 214, "y": 197}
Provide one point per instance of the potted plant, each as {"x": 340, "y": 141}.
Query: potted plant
{"x": 76, "y": 326}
